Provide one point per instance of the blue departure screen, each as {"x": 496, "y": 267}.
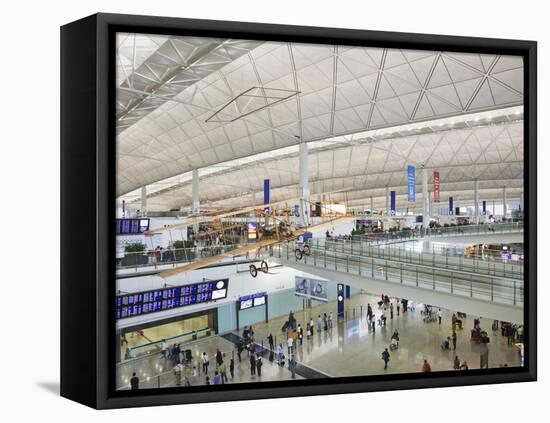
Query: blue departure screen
{"x": 131, "y": 226}
{"x": 138, "y": 303}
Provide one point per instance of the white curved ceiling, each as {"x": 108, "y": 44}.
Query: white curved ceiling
{"x": 180, "y": 108}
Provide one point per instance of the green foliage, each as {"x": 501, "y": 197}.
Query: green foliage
{"x": 136, "y": 247}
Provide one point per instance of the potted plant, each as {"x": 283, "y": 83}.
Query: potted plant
{"x": 134, "y": 254}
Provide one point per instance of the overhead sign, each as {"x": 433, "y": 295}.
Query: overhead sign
{"x": 267, "y": 199}
{"x": 451, "y": 210}
{"x": 411, "y": 183}
{"x": 437, "y": 196}
{"x": 131, "y": 226}
{"x": 314, "y": 289}
{"x": 392, "y": 202}
{"x": 253, "y": 300}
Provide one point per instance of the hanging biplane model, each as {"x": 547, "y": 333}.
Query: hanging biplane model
{"x": 275, "y": 230}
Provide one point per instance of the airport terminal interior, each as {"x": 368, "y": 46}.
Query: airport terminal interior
{"x": 291, "y": 211}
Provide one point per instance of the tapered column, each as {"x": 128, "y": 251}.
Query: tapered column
{"x": 476, "y": 201}
{"x": 144, "y": 201}
{"x": 425, "y": 200}
{"x": 304, "y": 185}
{"x": 504, "y": 202}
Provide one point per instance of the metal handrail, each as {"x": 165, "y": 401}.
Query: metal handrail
{"x": 486, "y": 287}
{"x": 499, "y": 268}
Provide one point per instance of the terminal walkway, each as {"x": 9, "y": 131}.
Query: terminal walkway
{"x": 350, "y": 348}
{"x": 500, "y": 297}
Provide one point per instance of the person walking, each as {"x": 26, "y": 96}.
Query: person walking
{"x": 311, "y": 325}
{"x": 386, "y": 358}
{"x": 456, "y": 363}
{"x": 280, "y": 354}
{"x": 252, "y": 365}
{"x": 330, "y": 320}
{"x": 223, "y": 372}
{"x": 232, "y": 368}
{"x": 134, "y": 382}
{"x": 300, "y": 331}
{"x": 391, "y": 311}
{"x": 259, "y": 365}
{"x": 426, "y": 368}
{"x": 325, "y": 322}
{"x": 270, "y": 340}
{"x": 164, "y": 349}
{"x": 398, "y": 307}
{"x": 439, "y": 316}
{"x": 207, "y": 380}
{"x": 177, "y": 373}
{"x": 217, "y": 378}
{"x": 319, "y": 324}
{"x": 239, "y": 350}
{"x": 290, "y": 342}
{"x": 292, "y": 367}
{"x": 205, "y": 363}
{"x": 219, "y": 358}
{"x": 453, "y": 338}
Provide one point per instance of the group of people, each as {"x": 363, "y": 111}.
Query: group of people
{"x": 220, "y": 372}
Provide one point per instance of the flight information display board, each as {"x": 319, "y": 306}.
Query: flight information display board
{"x": 131, "y": 226}
{"x": 139, "y": 303}
{"x": 254, "y": 300}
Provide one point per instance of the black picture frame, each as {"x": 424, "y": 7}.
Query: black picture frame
{"x": 88, "y": 211}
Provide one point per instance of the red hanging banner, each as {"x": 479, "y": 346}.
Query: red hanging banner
{"x": 436, "y": 187}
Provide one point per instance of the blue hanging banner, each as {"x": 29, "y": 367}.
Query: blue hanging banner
{"x": 451, "y": 209}
{"x": 392, "y": 202}
{"x": 411, "y": 183}
{"x": 340, "y": 298}
{"x": 484, "y": 207}
{"x": 266, "y": 193}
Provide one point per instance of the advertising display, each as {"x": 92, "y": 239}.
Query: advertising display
{"x": 411, "y": 183}
{"x": 252, "y": 234}
{"x": 314, "y": 289}
{"x": 129, "y": 305}
{"x": 437, "y": 195}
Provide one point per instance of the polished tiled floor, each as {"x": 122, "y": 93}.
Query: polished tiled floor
{"x": 349, "y": 349}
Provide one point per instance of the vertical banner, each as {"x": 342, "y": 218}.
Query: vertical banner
{"x": 348, "y": 291}
{"x": 451, "y": 209}
{"x": 411, "y": 183}
{"x": 437, "y": 196}
{"x": 392, "y": 203}
{"x": 484, "y": 205}
{"x": 266, "y": 192}
{"x": 340, "y": 298}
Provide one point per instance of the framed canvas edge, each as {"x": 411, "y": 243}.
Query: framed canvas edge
{"x": 105, "y": 162}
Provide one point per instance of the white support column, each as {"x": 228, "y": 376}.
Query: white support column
{"x": 195, "y": 189}
{"x": 425, "y": 200}
{"x": 476, "y": 201}
{"x": 387, "y": 201}
{"x": 305, "y": 219}
{"x": 144, "y": 201}
{"x": 504, "y": 202}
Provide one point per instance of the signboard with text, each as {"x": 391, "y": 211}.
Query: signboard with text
{"x": 437, "y": 196}
{"x": 411, "y": 183}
